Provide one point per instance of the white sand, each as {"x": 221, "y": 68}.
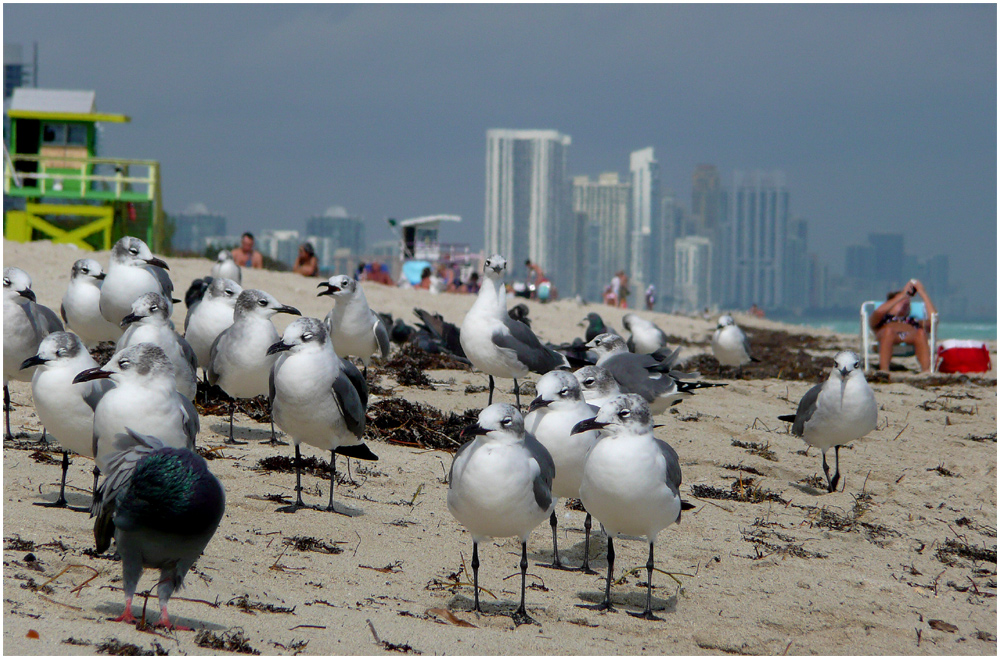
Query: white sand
{"x": 869, "y": 592}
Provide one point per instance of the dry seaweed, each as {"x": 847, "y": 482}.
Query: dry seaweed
{"x": 303, "y": 543}
{"x": 782, "y": 356}
{"x": 957, "y": 549}
{"x": 16, "y": 543}
{"x": 232, "y": 640}
{"x": 763, "y": 538}
{"x": 115, "y": 647}
{"x": 213, "y": 401}
{"x": 103, "y": 352}
{"x": 742, "y": 489}
{"x": 399, "y": 421}
{"x": 756, "y": 448}
{"x": 286, "y": 464}
{"x": 951, "y": 379}
{"x": 246, "y": 605}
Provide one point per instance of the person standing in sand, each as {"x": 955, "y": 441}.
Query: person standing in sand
{"x": 245, "y": 255}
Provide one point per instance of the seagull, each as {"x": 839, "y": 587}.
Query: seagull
{"x": 81, "y": 304}
{"x": 631, "y": 482}
{"x": 317, "y": 398}
{"x": 65, "y": 409}
{"x": 646, "y": 338}
{"x": 133, "y": 271}
{"x": 148, "y": 323}
{"x": 355, "y": 329}
{"x": 836, "y": 412}
{"x": 597, "y": 385}
{"x": 495, "y": 343}
{"x": 209, "y": 317}
{"x": 551, "y": 417}
{"x": 25, "y": 324}
{"x": 238, "y": 360}
{"x": 226, "y": 268}
{"x": 145, "y": 399}
{"x": 162, "y": 506}
{"x": 500, "y": 485}
{"x": 653, "y": 377}
{"x": 595, "y": 326}
{"x": 730, "y": 345}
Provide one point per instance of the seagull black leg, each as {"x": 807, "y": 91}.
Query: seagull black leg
{"x": 61, "y": 501}
{"x": 274, "y": 441}
{"x": 475, "y": 572}
{"x": 587, "y": 525}
{"x": 606, "y": 604}
{"x": 6, "y": 407}
{"x": 553, "y": 523}
{"x": 232, "y": 411}
{"x": 836, "y": 472}
{"x": 490, "y": 403}
{"x": 648, "y": 613}
{"x": 517, "y": 395}
{"x": 826, "y": 472}
{"x": 521, "y": 616}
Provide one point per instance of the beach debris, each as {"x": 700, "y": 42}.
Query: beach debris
{"x": 233, "y": 640}
{"x": 955, "y": 549}
{"x": 303, "y": 543}
{"x": 756, "y": 448}
{"x": 450, "y": 618}
{"x": 115, "y": 647}
{"x": 782, "y": 355}
{"x": 246, "y": 605}
{"x": 942, "y": 626}
{"x": 399, "y": 421}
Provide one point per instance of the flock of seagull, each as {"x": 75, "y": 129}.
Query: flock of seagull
{"x": 589, "y": 433}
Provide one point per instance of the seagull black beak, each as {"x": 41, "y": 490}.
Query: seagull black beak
{"x": 280, "y": 346}
{"x": 588, "y": 424}
{"x": 129, "y": 319}
{"x": 330, "y": 288}
{"x": 538, "y": 403}
{"x": 34, "y": 360}
{"x": 159, "y": 263}
{"x": 474, "y": 431}
{"x": 101, "y": 276}
{"x": 28, "y": 293}
{"x": 91, "y": 374}
{"x": 289, "y": 310}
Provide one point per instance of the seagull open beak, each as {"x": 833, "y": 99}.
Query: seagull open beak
{"x": 28, "y": 293}
{"x": 129, "y": 319}
{"x": 159, "y": 263}
{"x": 588, "y": 424}
{"x": 474, "y": 431}
{"x": 289, "y": 310}
{"x": 330, "y": 288}
{"x": 101, "y": 276}
{"x": 538, "y": 403}
{"x": 91, "y": 374}
{"x": 280, "y": 346}
{"x": 34, "y": 360}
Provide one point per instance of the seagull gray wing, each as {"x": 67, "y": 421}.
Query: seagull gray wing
{"x": 632, "y": 373}
{"x": 746, "y": 347}
{"x": 163, "y": 278}
{"x": 381, "y": 335}
{"x": 526, "y": 346}
{"x": 213, "y": 375}
{"x": 126, "y": 338}
{"x": 807, "y": 406}
{"x": 630, "y": 343}
{"x": 542, "y": 485}
{"x": 192, "y": 424}
{"x": 48, "y": 320}
{"x": 62, "y": 312}
{"x": 96, "y": 392}
{"x": 188, "y": 352}
{"x": 348, "y": 397}
{"x": 673, "y": 473}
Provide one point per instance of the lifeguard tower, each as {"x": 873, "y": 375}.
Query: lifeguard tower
{"x": 70, "y": 195}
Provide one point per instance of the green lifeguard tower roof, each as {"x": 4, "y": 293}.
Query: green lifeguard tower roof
{"x": 58, "y": 105}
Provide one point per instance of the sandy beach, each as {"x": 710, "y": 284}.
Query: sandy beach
{"x": 902, "y": 560}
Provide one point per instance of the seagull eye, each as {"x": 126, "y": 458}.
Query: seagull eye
{"x": 624, "y": 414}
{"x": 61, "y": 352}
{"x": 307, "y": 336}
{"x": 124, "y": 363}
{"x": 154, "y": 307}
{"x": 262, "y": 303}
{"x": 588, "y": 382}
{"x": 506, "y": 421}
{"x": 564, "y": 391}
{"x": 229, "y": 292}
{"x": 133, "y": 251}
{"x": 6, "y": 282}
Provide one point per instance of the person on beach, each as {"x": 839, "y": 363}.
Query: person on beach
{"x": 306, "y": 263}
{"x": 893, "y": 323}
{"x": 245, "y": 255}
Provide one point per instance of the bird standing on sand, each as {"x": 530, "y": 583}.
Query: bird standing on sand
{"x": 645, "y": 337}
{"x": 210, "y": 317}
{"x": 65, "y": 409}
{"x": 631, "y": 482}
{"x": 148, "y": 323}
{"x": 81, "y": 304}
{"x": 239, "y": 361}
{"x": 132, "y": 271}
{"x": 551, "y": 418}
{"x": 500, "y": 485}
{"x": 730, "y": 345}
{"x": 317, "y": 398}
{"x": 355, "y": 329}
{"x": 226, "y": 268}
{"x": 25, "y": 324}
{"x": 145, "y": 399}
{"x": 162, "y": 506}
{"x": 495, "y": 343}
{"x": 836, "y": 412}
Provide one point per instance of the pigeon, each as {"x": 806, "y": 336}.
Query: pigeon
{"x": 595, "y": 326}
{"x": 836, "y": 412}
{"x": 162, "y": 506}
{"x": 446, "y": 335}
{"x": 81, "y": 304}
{"x": 25, "y": 324}
{"x": 317, "y": 398}
{"x": 210, "y": 317}
{"x": 520, "y": 312}
{"x": 195, "y": 292}
{"x": 500, "y": 485}
{"x": 646, "y": 338}
{"x": 133, "y": 271}
{"x": 551, "y": 418}
{"x": 144, "y": 399}
{"x": 65, "y": 409}
{"x": 226, "y": 268}
{"x": 730, "y": 345}
{"x": 238, "y": 360}
{"x": 148, "y": 323}
{"x": 495, "y": 343}
{"x": 631, "y": 482}
{"x": 356, "y": 330}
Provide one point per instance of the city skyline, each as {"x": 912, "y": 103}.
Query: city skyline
{"x": 883, "y": 117}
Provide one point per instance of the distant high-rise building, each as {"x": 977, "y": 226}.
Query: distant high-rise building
{"x": 707, "y": 200}
{"x": 671, "y": 228}
{"x": 859, "y": 262}
{"x": 692, "y": 273}
{"x": 282, "y": 246}
{"x": 195, "y": 228}
{"x": 17, "y": 72}
{"x": 527, "y": 201}
{"x": 607, "y": 204}
{"x": 345, "y": 231}
{"x": 758, "y": 232}
{"x": 888, "y": 257}
{"x": 644, "y": 266}
{"x": 797, "y": 265}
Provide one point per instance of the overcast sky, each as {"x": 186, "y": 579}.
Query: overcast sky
{"x": 883, "y": 117}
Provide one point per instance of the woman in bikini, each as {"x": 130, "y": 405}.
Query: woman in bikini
{"x": 893, "y": 324}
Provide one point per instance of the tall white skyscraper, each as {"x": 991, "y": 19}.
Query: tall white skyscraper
{"x": 644, "y": 266}
{"x": 607, "y": 205}
{"x": 758, "y": 240}
{"x": 528, "y": 213}
{"x": 692, "y": 273}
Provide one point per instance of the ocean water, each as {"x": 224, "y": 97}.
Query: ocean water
{"x": 980, "y": 331}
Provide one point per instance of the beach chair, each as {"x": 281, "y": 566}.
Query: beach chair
{"x": 869, "y": 342}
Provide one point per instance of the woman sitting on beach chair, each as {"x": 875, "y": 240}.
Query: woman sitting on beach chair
{"x": 894, "y": 322}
